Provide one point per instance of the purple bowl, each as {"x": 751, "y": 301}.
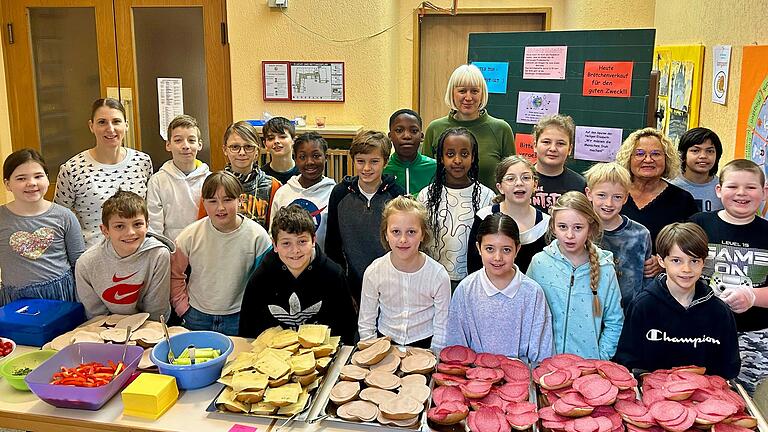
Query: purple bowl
{"x": 90, "y": 398}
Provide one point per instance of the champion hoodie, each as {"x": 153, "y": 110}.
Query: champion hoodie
{"x": 576, "y": 329}
{"x": 314, "y": 199}
{"x": 660, "y": 333}
{"x": 140, "y": 282}
{"x": 173, "y": 198}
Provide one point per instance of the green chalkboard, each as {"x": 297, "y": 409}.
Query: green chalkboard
{"x": 628, "y": 114}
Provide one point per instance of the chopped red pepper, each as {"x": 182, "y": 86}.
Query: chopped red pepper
{"x": 92, "y": 374}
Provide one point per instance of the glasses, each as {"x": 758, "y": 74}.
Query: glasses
{"x": 235, "y": 148}
{"x": 654, "y": 154}
{"x": 512, "y": 179}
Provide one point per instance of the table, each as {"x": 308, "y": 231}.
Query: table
{"x": 23, "y": 410}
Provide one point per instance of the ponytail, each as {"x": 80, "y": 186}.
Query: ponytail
{"x": 594, "y": 278}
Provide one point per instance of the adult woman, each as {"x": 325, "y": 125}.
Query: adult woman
{"x": 467, "y": 95}
{"x": 87, "y": 179}
{"x": 650, "y": 157}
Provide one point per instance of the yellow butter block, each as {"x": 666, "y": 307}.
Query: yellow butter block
{"x": 150, "y": 395}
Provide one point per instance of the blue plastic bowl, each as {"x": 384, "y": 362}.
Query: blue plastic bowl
{"x": 199, "y": 375}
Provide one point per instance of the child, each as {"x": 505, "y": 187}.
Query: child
{"x": 700, "y": 151}
{"x": 405, "y": 292}
{"x": 554, "y": 136}
{"x": 310, "y": 189}
{"x": 453, "y": 199}
{"x": 412, "y": 170}
{"x": 498, "y": 309}
{"x": 173, "y": 192}
{"x": 40, "y": 241}
{"x": 221, "y": 251}
{"x": 677, "y": 320}
{"x": 579, "y": 281}
{"x": 241, "y": 146}
{"x": 129, "y": 271}
{"x": 355, "y": 206}
{"x": 279, "y": 134}
{"x": 738, "y": 244}
{"x": 608, "y": 188}
{"x": 297, "y": 284}
{"x": 516, "y": 180}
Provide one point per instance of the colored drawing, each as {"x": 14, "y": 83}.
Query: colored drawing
{"x": 685, "y": 65}
{"x": 607, "y": 79}
{"x": 678, "y": 124}
{"x": 533, "y": 106}
{"x": 681, "y": 85}
{"x": 663, "y": 60}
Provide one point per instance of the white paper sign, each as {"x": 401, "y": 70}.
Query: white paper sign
{"x": 532, "y": 106}
{"x": 545, "y": 62}
{"x": 721, "y": 61}
{"x": 170, "y": 102}
{"x": 597, "y": 143}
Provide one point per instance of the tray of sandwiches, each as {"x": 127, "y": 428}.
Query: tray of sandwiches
{"x": 280, "y": 376}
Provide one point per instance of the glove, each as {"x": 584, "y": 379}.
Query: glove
{"x": 739, "y": 298}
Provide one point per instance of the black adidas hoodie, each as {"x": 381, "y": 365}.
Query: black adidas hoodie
{"x": 319, "y": 295}
{"x": 659, "y": 333}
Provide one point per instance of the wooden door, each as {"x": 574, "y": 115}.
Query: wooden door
{"x": 442, "y": 46}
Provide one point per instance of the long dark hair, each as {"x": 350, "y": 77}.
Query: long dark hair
{"x": 435, "y": 191}
{"x": 498, "y": 223}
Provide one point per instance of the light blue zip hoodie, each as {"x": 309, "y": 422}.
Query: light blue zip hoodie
{"x": 576, "y": 329}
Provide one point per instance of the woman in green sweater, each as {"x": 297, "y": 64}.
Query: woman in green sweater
{"x": 467, "y": 96}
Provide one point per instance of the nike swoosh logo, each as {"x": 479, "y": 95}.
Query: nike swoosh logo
{"x": 119, "y": 297}
{"x": 116, "y": 279}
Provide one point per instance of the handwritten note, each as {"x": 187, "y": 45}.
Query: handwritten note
{"x": 608, "y": 79}
{"x": 597, "y": 143}
{"x": 545, "y": 62}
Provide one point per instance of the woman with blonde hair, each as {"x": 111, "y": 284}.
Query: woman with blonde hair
{"x": 467, "y": 96}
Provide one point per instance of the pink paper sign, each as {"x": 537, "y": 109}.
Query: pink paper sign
{"x": 597, "y": 143}
{"x": 242, "y": 428}
{"x": 545, "y": 62}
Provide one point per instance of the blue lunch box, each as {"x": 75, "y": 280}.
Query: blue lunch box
{"x": 34, "y": 322}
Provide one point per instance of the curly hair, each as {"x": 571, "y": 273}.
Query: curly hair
{"x": 671, "y": 157}
{"x": 435, "y": 189}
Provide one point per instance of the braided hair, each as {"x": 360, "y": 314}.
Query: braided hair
{"x": 435, "y": 189}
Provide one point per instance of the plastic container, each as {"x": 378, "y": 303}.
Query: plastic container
{"x": 34, "y": 322}
{"x": 150, "y": 396}
{"x": 198, "y": 375}
{"x": 87, "y": 398}
{"x": 28, "y": 360}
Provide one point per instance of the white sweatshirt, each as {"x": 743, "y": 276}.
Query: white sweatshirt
{"x": 314, "y": 199}
{"x": 173, "y": 198}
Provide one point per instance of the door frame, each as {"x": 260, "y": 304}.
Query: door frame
{"x": 421, "y": 12}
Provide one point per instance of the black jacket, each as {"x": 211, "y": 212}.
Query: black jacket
{"x": 353, "y": 235}
{"x": 318, "y": 296}
{"x": 659, "y": 333}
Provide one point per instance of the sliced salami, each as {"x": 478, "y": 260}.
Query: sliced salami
{"x": 452, "y": 369}
{"x": 485, "y": 374}
{"x": 514, "y": 391}
{"x": 476, "y": 389}
{"x": 444, "y": 394}
{"x": 488, "y": 419}
{"x": 448, "y": 413}
{"x": 488, "y": 360}
{"x": 457, "y": 354}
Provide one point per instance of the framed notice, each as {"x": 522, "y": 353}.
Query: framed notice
{"x": 317, "y": 81}
{"x": 277, "y": 80}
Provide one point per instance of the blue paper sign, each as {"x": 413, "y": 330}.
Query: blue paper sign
{"x": 495, "y": 74}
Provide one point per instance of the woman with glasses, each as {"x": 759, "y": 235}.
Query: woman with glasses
{"x": 516, "y": 179}
{"x": 651, "y": 158}
{"x": 241, "y": 147}
{"x": 87, "y": 179}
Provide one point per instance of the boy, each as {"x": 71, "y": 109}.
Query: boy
{"x": 279, "y": 134}
{"x": 355, "y": 207}
{"x": 297, "y": 284}
{"x": 173, "y": 192}
{"x": 310, "y": 189}
{"x": 677, "y": 320}
{"x": 608, "y": 188}
{"x": 129, "y": 271}
{"x": 700, "y": 151}
{"x": 738, "y": 244}
{"x": 412, "y": 170}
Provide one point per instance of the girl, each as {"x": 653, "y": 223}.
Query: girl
{"x": 499, "y": 290}
{"x": 241, "y": 147}
{"x": 211, "y": 298}
{"x": 405, "y": 293}
{"x": 516, "y": 179}
{"x": 39, "y": 241}
{"x": 87, "y": 179}
{"x": 579, "y": 281}
{"x": 453, "y": 199}
{"x": 554, "y": 137}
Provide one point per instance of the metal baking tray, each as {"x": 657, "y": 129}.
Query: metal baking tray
{"x": 303, "y": 414}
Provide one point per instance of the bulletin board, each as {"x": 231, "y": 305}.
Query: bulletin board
{"x": 303, "y": 81}
{"x": 616, "y": 110}
{"x": 680, "y": 73}
{"x": 751, "y": 127}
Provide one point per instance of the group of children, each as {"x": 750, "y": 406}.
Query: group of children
{"x": 411, "y": 247}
